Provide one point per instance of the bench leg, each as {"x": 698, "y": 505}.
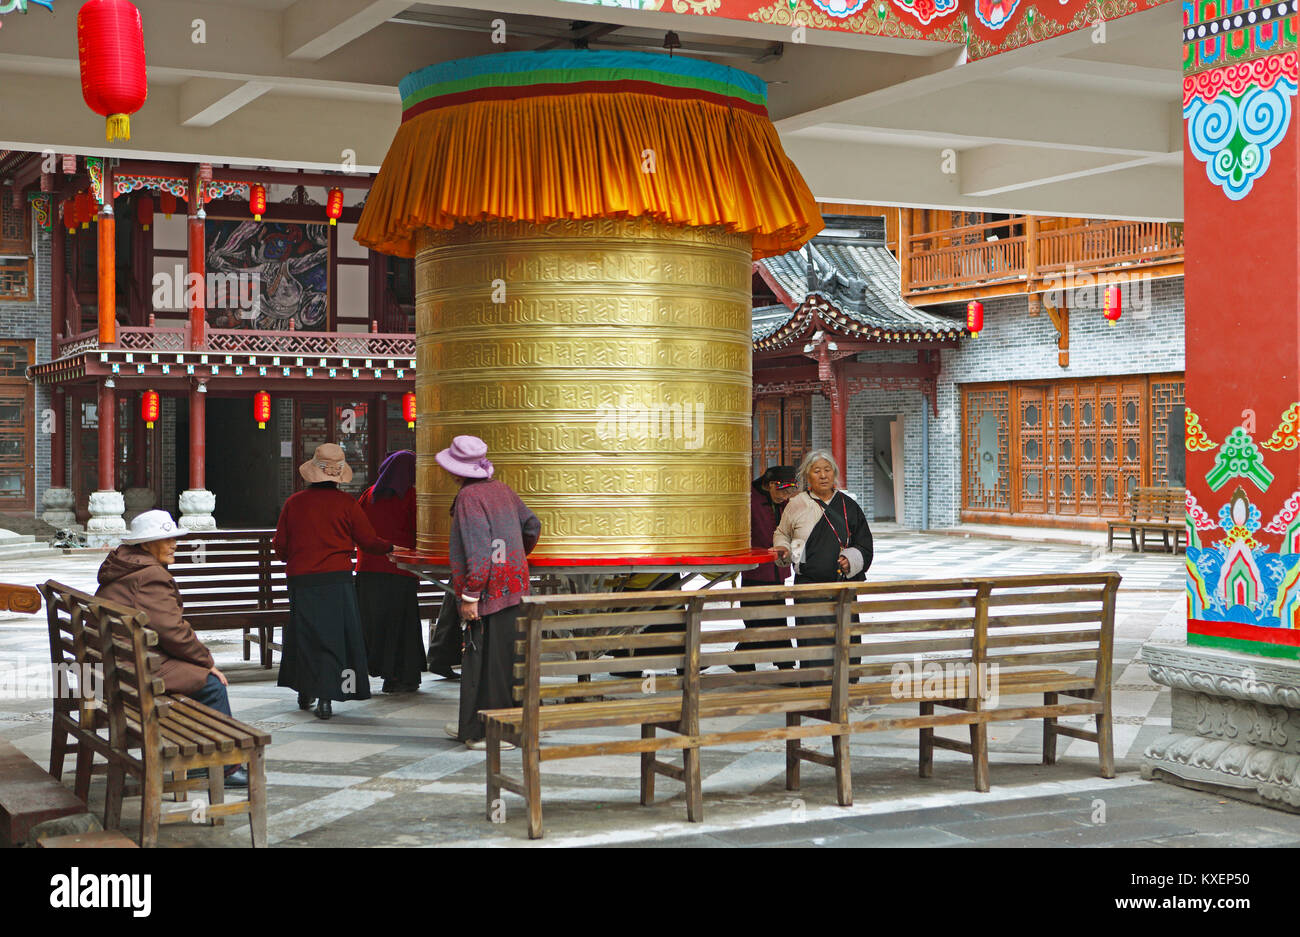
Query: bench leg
{"x": 694, "y": 785}
{"x": 1049, "y": 731}
{"x": 216, "y": 791}
{"x": 533, "y": 785}
{"x": 58, "y": 751}
{"x": 1106, "y": 741}
{"x": 792, "y": 754}
{"x": 493, "y": 765}
{"x": 647, "y": 769}
{"x": 85, "y": 762}
{"x": 843, "y": 771}
{"x": 113, "y": 796}
{"x": 927, "y": 744}
{"x": 151, "y": 807}
{"x": 1133, "y": 539}
{"x": 257, "y": 797}
{"x": 979, "y": 753}
{"x": 247, "y": 646}
{"x": 268, "y": 636}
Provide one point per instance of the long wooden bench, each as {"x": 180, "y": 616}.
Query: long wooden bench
{"x": 232, "y": 580}
{"x": 29, "y": 796}
{"x": 1001, "y": 633}
{"x": 1152, "y": 510}
{"x": 142, "y": 733}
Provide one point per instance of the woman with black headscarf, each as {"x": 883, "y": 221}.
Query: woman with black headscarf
{"x": 387, "y": 596}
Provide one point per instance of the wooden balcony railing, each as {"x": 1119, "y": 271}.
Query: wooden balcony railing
{"x": 1015, "y": 251}
{"x": 247, "y": 341}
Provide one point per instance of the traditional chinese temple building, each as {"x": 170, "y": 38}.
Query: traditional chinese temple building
{"x": 206, "y": 306}
{"x": 1050, "y": 417}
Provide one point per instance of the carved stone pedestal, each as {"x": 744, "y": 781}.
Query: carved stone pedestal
{"x": 105, "y": 527}
{"x": 1236, "y": 724}
{"x": 58, "y": 513}
{"x": 138, "y": 500}
{"x": 197, "y": 506}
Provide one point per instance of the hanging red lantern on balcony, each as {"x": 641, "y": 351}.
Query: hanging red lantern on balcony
{"x": 149, "y": 406}
{"x": 144, "y": 211}
{"x": 408, "y": 409}
{"x": 167, "y": 202}
{"x": 70, "y": 215}
{"x": 85, "y": 208}
{"x": 110, "y": 45}
{"x": 257, "y": 200}
{"x": 1113, "y": 305}
{"x": 334, "y": 205}
{"x": 262, "y": 408}
{"x": 974, "y": 318}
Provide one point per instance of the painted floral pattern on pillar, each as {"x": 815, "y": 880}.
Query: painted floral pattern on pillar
{"x": 1236, "y": 115}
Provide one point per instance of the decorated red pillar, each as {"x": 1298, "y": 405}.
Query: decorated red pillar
{"x": 1239, "y": 672}
{"x": 107, "y": 270}
{"x": 839, "y": 419}
{"x": 58, "y": 293}
{"x": 196, "y": 262}
{"x": 58, "y": 457}
{"x": 198, "y": 435}
{"x": 107, "y": 467}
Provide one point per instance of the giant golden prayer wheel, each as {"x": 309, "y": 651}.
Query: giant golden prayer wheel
{"x": 583, "y": 226}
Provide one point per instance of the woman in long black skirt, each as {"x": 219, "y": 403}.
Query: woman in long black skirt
{"x": 388, "y": 597}
{"x": 319, "y": 529}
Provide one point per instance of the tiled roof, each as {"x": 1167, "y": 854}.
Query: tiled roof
{"x": 767, "y": 319}
{"x": 860, "y": 280}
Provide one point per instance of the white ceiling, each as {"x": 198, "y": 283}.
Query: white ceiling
{"x": 1067, "y": 126}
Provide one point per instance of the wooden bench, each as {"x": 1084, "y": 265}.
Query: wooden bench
{"x": 990, "y": 627}
{"x": 29, "y": 796}
{"x": 232, "y": 580}
{"x": 1152, "y": 510}
{"x": 142, "y": 733}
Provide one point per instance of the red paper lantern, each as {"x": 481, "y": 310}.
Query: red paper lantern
{"x": 110, "y": 45}
{"x": 144, "y": 211}
{"x": 85, "y": 208}
{"x": 975, "y": 317}
{"x": 1113, "y": 305}
{"x": 334, "y": 205}
{"x": 70, "y": 215}
{"x": 408, "y": 409}
{"x": 149, "y": 407}
{"x": 261, "y": 408}
{"x": 167, "y": 202}
{"x": 257, "y": 200}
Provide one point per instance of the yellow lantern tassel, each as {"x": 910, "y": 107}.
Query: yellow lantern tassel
{"x": 119, "y": 127}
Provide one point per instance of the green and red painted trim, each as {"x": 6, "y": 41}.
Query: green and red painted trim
{"x": 520, "y": 75}
{"x": 1252, "y": 639}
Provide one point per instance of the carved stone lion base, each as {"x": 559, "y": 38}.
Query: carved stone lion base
{"x": 1235, "y": 729}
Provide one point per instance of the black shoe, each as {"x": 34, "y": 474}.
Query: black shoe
{"x": 305, "y": 701}
{"x": 390, "y": 687}
{"x": 324, "y": 710}
{"x": 238, "y": 777}
{"x": 445, "y": 672}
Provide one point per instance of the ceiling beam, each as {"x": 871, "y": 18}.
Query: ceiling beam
{"x": 206, "y": 101}
{"x": 312, "y": 29}
{"x": 994, "y": 170}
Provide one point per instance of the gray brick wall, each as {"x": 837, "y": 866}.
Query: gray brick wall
{"x": 32, "y": 320}
{"x": 1013, "y": 347}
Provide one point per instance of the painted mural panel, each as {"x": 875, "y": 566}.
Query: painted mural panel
{"x": 264, "y": 275}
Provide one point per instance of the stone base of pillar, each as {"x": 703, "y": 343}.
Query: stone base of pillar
{"x": 197, "y": 506}
{"x": 105, "y": 527}
{"x": 138, "y": 500}
{"x": 58, "y": 513}
{"x": 1235, "y": 729}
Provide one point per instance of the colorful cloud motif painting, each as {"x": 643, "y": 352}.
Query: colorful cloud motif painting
{"x": 926, "y": 11}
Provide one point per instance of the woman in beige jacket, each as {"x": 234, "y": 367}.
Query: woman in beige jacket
{"x": 823, "y": 532}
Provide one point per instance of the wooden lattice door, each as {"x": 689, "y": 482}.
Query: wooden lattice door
{"x": 986, "y": 427}
{"x": 17, "y": 436}
{"x": 1032, "y": 453}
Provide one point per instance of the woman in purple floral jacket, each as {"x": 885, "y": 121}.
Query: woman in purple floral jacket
{"x": 492, "y": 533}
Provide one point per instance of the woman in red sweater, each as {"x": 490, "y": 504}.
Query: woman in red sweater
{"x": 320, "y": 527}
{"x": 387, "y": 596}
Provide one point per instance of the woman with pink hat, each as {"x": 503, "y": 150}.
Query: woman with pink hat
{"x": 320, "y": 527}
{"x": 492, "y": 533}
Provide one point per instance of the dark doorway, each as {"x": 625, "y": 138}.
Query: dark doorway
{"x": 242, "y": 465}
